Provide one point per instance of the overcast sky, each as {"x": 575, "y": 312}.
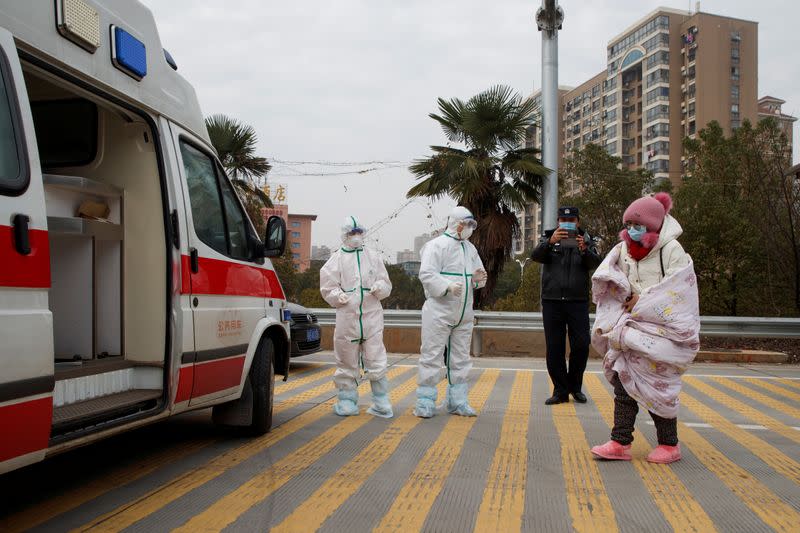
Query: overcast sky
{"x": 354, "y": 81}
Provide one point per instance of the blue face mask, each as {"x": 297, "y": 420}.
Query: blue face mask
{"x": 569, "y": 226}
{"x": 636, "y": 233}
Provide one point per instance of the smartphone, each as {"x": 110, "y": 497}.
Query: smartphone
{"x": 570, "y": 241}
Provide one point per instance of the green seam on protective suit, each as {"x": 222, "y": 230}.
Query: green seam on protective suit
{"x": 448, "y": 235}
{"x": 355, "y": 224}
{"x": 454, "y": 274}
{"x": 349, "y": 251}
{"x": 466, "y": 287}
{"x": 361, "y": 296}
{"x": 449, "y": 356}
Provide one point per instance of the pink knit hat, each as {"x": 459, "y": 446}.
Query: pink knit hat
{"x": 649, "y": 211}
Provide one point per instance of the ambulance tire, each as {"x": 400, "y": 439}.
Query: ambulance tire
{"x": 262, "y": 380}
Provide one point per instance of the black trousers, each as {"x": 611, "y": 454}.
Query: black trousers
{"x": 562, "y": 318}
{"x": 625, "y": 411}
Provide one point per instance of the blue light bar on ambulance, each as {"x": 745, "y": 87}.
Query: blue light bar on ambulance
{"x": 128, "y": 53}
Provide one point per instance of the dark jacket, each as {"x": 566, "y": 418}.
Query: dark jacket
{"x": 565, "y": 271}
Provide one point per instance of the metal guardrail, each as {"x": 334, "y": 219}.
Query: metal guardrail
{"x": 711, "y": 326}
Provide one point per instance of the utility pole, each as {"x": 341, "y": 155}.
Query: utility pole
{"x": 549, "y": 18}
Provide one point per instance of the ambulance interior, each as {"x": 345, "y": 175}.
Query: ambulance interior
{"x": 106, "y": 231}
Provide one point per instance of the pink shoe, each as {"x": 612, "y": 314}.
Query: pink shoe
{"x": 664, "y": 454}
{"x": 613, "y": 450}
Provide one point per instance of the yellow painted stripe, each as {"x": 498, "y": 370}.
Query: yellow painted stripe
{"x": 313, "y": 512}
{"x": 791, "y": 382}
{"x": 763, "y": 398}
{"x": 587, "y": 500}
{"x": 504, "y": 496}
{"x": 766, "y": 384}
{"x": 110, "y": 479}
{"x": 294, "y": 372}
{"x": 746, "y": 410}
{"x": 763, "y": 450}
{"x": 766, "y": 505}
{"x": 226, "y": 510}
{"x": 411, "y": 507}
{"x": 131, "y": 512}
{"x": 282, "y": 387}
{"x": 671, "y": 496}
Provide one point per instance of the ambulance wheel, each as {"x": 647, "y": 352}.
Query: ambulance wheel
{"x": 262, "y": 380}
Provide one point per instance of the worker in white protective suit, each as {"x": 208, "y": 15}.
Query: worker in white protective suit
{"x": 450, "y": 272}
{"x": 354, "y": 281}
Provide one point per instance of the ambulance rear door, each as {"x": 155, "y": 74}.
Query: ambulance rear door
{"x": 26, "y": 324}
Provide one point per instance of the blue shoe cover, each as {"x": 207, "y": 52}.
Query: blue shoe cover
{"x": 457, "y": 403}
{"x": 347, "y": 404}
{"x": 381, "y": 405}
{"x": 426, "y": 402}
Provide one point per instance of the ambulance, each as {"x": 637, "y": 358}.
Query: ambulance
{"x": 133, "y": 286}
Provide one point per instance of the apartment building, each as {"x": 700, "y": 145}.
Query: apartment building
{"x": 771, "y": 107}
{"x": 666, "y": 77}
{"x": 299, "y": 240}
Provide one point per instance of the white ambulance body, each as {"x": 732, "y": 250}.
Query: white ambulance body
{"x": 159, "y": 298}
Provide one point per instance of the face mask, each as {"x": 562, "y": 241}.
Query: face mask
{"x": 466, "y": 233}
{"x": 637, "y": 233}
{"x": 569, "y": 226}
{"x": 354, "y": 241}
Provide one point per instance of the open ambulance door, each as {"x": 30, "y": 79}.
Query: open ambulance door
{"x": 26, "y": 324}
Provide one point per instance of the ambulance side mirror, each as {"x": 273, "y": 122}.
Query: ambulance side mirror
{"x": 275, "y": 238}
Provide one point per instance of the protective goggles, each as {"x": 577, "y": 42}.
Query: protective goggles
{"x": 470, "y": 223}
{"x": 356, "y": 231}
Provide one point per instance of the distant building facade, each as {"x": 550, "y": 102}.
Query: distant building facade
{"x": 320, "y": 253}
{"x": 406, "y": 255}
{"x": 770, "y": 107}
{"x": 298, "y": 239}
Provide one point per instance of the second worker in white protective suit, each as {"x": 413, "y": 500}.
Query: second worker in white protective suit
{"x": 450, "y": 272}
{"x": 354, "y": 281}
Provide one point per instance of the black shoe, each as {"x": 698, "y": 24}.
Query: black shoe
{"x": 556, "y": 399}
{"x": 579, "y": 397}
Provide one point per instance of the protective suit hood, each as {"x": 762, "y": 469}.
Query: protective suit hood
{"x": 457, "y": 215}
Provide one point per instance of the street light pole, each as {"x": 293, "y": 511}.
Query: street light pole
{"x": 549, "y": 18}
{"x": 522, "y": 267}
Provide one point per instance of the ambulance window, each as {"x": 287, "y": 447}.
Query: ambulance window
{"x": 237, "y": 225}
{"x": 204, "y": 197}
{"x": 66, "y": 132}
{"x": 13, "y": 167}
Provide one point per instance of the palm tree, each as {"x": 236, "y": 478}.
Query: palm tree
{"x": 235, "y": 143}
{"x": 492, "y": 176}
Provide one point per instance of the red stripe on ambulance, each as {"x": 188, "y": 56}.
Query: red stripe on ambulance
{"x": 31, "y": 426}
{"x": 226, "y": 278}
{"x": 215, "y": 376}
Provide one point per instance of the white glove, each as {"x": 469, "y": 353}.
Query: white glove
{"x": 479, "y": 276}
{"x": 376, "y": 287}
{"x": 455, "y": 288}
{"x": 343, "y": 298}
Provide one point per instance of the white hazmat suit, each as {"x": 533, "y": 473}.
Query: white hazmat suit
{"x": 354, "y": 281}
{"x": 450, "y": 272}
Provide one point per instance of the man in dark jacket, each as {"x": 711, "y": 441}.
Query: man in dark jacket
{"x": 568, "y": 256}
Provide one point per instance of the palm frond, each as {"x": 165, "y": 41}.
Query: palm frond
{"x": 235, "y": 143}
{"x": 451, "y": 118}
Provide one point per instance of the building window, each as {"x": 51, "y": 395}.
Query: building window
{"x": 611, "y": 147}
{"x": 610, "y": 100}
{"x": 657, "y": 148}
{"x": 658, "y": 130}
{"x": 295, "y": 256}
{"x": 610, "y": 116}
{"x": 735, "y": 93}
{"x": 295, "y": 245}
{"x": 691, "y": 109}
{"x": 296, "y": 234}
{"x": 662, "y": 39}
{"x": 659, "y": 165}
{"x": 595, "y": 91}
{"x": 734, "y": 73}
{"x": 734, "y": 53}
{"x": 692, "y": 127}
{"x": 295, "y": 224}
{"x": 658, "y": 23}
{"x": 735, "y": 108}
{"x": 659, "y": 58}
{"x": 659, "y": 111}
{"x": 659, "y": 93}
{"x": 611, "y": 131}
{"x": 658, "y": 76}
{"x": 610, "y": 84}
